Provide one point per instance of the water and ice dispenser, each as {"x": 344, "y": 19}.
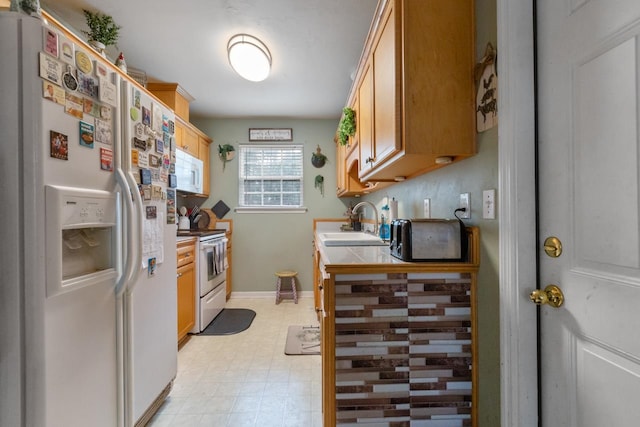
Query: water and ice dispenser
{"x": 80, "y": 237}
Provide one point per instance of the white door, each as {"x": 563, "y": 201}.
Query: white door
{"x": 589, "y": 121}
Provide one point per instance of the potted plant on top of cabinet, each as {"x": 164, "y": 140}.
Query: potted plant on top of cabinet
{"x": 103, "y": 31}
{"x": 347, "y": 125}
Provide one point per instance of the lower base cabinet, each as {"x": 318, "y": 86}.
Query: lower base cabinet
{"x": 399, "y": 348}
{"x": 186, "y": 284}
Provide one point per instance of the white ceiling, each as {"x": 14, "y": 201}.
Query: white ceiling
{"x": 315, "y": 45}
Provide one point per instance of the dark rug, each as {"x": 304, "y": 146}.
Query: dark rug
{"x": 230, "y": 321}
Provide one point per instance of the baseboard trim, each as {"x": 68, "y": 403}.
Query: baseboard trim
{"x": 266, "y": 294}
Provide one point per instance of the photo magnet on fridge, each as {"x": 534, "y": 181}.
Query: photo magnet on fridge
{"x": 145, "y": 176}
{"x": 59, "y": 145}
{"x": 152, "y": 266}
{"x": 151, "y": 212}
{"x": 173, "y": 180}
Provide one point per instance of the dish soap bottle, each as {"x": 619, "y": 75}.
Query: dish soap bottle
{"x": 384, "y": 229}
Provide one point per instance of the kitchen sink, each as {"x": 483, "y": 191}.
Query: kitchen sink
{"x": 351, "y": 238}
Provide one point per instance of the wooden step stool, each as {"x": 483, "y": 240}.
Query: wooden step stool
{"x": 286, "y": 274}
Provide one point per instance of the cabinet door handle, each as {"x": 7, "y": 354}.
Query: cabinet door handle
{"x": 179, "y": 275}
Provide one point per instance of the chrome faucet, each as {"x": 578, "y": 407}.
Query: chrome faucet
{"x": 375, "y": 213}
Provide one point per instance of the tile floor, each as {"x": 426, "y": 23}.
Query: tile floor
{"x": 246, "y": 379}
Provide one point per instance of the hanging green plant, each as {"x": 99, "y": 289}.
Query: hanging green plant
{"x": 318, "y": 159}
{"x": 347, "y": 125}
{"x": 102, "y": 28}
{"x": 226, "y": 153}
{"x": 319, "y": 184}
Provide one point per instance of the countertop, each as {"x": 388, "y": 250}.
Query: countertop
{"x": 357, "y": 259}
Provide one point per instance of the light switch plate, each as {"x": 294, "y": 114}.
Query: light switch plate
{"x": 427, "y": 208}
{"x": 465, "y": 202}
{"x": 489, "y": 204}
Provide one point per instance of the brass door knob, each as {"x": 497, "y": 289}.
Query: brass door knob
{"x": 551, "y": 295}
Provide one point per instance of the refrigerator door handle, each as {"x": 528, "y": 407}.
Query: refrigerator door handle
{"x": 135, "y": 222}
{"x": 129, "y": 212}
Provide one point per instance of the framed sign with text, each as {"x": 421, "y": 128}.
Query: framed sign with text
{"x": 271, "y": 134}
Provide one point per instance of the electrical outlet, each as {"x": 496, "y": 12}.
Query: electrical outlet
{"x": 465, "y": 202}
{"x": 489, "y": 204}
{"x": 427, "y": 208}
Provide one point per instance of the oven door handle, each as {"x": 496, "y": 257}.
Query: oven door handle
{"x": 211, "y": 245}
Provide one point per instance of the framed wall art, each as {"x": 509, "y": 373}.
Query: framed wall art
{"x": 270, "y": 134}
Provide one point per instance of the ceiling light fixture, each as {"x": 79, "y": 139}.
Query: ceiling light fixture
{"x": 249, "y": 57}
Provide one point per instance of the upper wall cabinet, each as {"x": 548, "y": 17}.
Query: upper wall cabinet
{"x": 188, "y": 137}
{"x": 414, "y": 90}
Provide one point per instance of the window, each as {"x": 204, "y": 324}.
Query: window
{"x": 271, "y": 176}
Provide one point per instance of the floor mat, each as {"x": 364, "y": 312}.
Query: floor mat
{"x": 302, "y": 340}
{"x": 230, "y": 321}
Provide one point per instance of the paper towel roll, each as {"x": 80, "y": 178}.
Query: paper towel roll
{"x": 393, "y": 209}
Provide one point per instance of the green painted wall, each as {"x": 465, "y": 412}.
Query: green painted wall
{"x": 264, "y": 243}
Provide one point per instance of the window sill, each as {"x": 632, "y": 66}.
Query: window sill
{"x": 270, "y": 209}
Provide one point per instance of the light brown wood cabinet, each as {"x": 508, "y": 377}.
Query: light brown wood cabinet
{"x": 186, "y": 253}
{"x": 188, "y": 137}
{"x": 415, "y": 89}
{"x": 203, "y": 154}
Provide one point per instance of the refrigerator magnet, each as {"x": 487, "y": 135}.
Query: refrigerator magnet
{"x": 165, "y": 123}
{"x": 50, "y": 69}
{"x": 103, "y": 133}
{"x": 53, "y": 92}
{"x": 105, "y": 112}
{"x": 143, "y": 159}
{"x": 151, "y": 212}
{"x": 146, "y": 192}
{"x": 151, "y": 266}
{"x": 59, "y": 145}
{"x": 134, "y": 157}
{"x": 101, "y": 70}
{"x": 133, "y": 113}
{"x": 106, "y": 159}
{"x": 146, "y": 116}
{"x": 172, "y": 127}
{"x": 83, "y": 62}
{"x": 136, "y": 98}
{"x": 154, "y": 161}
{"x": 159, "y": 146}
{"x": 139, "y": 130}
{"x": 173, "y": 181}
{"x": 145, "y": 176}
{"x": 86, "y": 134}
{"x": 69, "y": 80}
{"x": 156, "y": 192}
{"x": 67, "y": 49}
{"x": 50, "y": 41}
{"x": 107, "y": 92}
{"x": 140, "y": 144}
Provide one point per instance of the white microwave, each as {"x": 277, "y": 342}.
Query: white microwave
{"x": 189, "y": 171}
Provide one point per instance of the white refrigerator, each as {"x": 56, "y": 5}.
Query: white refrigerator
{"x": 88, "y": 266}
